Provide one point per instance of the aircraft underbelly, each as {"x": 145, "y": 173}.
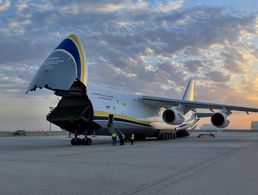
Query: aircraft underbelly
{"x": 127, "y": 128}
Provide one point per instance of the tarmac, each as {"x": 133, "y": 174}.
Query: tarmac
{"x": 226, "y": 164}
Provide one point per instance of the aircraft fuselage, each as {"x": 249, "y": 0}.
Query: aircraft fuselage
{"x": 130, "y": 114}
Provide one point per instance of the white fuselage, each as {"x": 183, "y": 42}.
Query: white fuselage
{"x": 130, "y": 114}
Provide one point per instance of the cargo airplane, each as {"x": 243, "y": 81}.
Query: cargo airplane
{"x": 85, "y": 109}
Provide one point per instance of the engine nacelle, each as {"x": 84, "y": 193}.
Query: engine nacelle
{"x": 173, "y": 116}
{"x": 219, "y": 119}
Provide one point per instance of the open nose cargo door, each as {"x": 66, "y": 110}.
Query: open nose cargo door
{"x": 64, "y": 71}
{"x": 62, "y": 67}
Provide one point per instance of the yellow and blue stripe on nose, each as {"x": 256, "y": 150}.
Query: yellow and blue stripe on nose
{"x": 73, "y": 45}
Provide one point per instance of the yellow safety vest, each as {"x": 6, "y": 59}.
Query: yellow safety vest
{"x": 113, "y": 135}
{"x": 132, "y": 137}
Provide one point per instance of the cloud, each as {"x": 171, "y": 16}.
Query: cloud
{"x": 101, "y": 7}
{"x": 167, "y": 6}
{"x": 193, "y": 65}
{"x": 255, "y": 53}
{"x": 21, "y": 5}
{"x": 218, "y": 76}
{"x": 4, "y": 5}
{"x": 123, "y": 40}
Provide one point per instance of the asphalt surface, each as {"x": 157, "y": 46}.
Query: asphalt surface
{"x": 226, "y": 164}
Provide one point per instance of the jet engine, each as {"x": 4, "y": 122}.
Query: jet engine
{"x": 173, "y": 116}
{"x": 219, "y": 119}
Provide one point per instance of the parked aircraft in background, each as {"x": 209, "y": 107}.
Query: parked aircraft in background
{"x": 86, "y": 108}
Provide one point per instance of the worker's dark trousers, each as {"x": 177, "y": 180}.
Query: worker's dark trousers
{"x": 114, "y": 142}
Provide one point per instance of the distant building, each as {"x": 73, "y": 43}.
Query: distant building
{"x": 254, "y": 125}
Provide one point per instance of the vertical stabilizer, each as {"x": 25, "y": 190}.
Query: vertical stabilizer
{"x": 189, "y": 91}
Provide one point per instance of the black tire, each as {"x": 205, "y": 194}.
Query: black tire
{"x": 73, "y": 141}
{"x": 89, "y": 141}
{"x": 83, "y": 142}
{"x": 78, "y": 141}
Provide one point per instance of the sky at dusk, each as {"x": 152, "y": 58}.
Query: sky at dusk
{"x": 152, "y": 47}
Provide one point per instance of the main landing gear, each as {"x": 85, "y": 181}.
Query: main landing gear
{"x": 79, "y": 141}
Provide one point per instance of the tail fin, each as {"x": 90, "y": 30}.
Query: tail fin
{"x": 189, "y": 91}
{"x": 65, "y": 65}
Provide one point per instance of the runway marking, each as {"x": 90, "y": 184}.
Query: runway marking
{"x": 183, "y": 173}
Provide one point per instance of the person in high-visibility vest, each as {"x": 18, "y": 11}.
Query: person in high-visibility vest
{"x": 132, "y": 138}
{"x": 122, "y": 139}
{"x": 114, "y": 138}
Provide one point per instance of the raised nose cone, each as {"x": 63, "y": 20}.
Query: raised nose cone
{"x": 62, "y": 67}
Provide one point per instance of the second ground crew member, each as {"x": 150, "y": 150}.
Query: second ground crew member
{"x": 114, "y": 138}
{"x": 122, "y": 139}
{"x": 132, "y": 138}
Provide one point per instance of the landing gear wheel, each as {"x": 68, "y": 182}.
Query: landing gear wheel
{"x": 78, "y": 141}
{"x": 84, "y": 141}
{"x": 73, "y": 142}
{"x": 89, "y": 141}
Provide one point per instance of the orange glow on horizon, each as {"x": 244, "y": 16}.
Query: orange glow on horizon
{"x": 237, "y": 120}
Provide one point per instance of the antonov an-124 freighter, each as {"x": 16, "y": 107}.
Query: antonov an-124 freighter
{"x": 85, "y": 109}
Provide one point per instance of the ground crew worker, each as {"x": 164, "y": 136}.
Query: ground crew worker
{"x": 122, "y": 139}
{"x": 114, "y": 138}
{"x": 132, "y": 138}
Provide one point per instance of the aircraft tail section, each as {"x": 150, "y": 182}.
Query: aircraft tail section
{"x": 65, "y": 65}
{"x": 189, "y": 91}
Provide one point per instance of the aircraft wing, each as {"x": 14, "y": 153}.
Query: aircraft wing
{"x": 167, "y": 103}
{"x": 203, "y": 114}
